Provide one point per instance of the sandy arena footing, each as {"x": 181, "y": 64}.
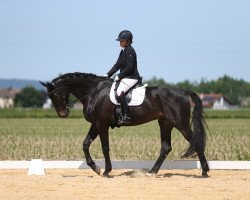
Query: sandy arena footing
{"x": 124, "y": 184}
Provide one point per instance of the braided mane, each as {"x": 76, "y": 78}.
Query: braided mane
{"x": 79, "y": 75}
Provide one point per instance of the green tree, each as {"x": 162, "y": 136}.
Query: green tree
{"x": 235, "y": 90}
{"x": 156, "y": 82}
{"x": 185, "y": 85}
{"x": 30, "y": 97}
{"x": 232, "y": 88}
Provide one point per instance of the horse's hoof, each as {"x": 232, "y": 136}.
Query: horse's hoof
{"x": 150, "y": 174}
{"x": 97, "y": 170}
{"x": 204, "y": 175}
{"x": 106, "y": 174}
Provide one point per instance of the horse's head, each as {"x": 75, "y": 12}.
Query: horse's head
{"x": 59, "y": 97}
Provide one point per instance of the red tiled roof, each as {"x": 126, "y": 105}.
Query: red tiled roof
{"x": 209, "y": 99}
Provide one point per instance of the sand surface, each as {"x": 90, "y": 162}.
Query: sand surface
{"x": 125, "y": 184}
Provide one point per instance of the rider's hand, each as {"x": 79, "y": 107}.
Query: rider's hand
{"x": 116, "y": 78}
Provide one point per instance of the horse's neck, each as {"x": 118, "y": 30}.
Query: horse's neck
{"x": 83, "y": 88}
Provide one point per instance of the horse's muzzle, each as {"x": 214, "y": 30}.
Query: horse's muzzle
{"x": 63, "y": 113}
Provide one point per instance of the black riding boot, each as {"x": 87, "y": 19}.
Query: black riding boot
{"x": 124, "y": 105}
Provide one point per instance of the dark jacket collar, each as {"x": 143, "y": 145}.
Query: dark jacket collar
{"x": 127, "y": 46}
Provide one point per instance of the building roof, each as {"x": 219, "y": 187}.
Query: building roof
{"x": 209, "y": 99}
{"x": 8, "y": 93}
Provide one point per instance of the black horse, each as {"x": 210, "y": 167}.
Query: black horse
{"x": 171, "y": 107}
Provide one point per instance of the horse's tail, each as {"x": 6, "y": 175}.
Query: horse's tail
{"x": 198, "y": 140}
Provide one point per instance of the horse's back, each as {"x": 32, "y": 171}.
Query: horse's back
{"x": 167, "y": 93}
{"x": 172, "y": 101}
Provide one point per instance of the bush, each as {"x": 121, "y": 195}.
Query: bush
{"x": 30, "y": 97}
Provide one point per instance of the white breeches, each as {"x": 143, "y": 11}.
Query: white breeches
{"x": 125, "y": 85}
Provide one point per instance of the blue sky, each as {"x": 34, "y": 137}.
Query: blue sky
{"x": 174, "y": 39}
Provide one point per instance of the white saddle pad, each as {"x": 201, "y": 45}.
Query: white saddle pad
{"x": 138, "y": 95}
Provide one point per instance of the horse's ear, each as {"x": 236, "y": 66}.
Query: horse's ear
{"x": 44, "y": 84}
{"x": 47, "y": 85}
{"x": 50, "y": 85}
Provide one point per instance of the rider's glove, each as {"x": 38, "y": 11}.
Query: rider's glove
{"x": 116, "y": 78}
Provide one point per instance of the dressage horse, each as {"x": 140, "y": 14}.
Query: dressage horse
{"x": 170, "y": 106}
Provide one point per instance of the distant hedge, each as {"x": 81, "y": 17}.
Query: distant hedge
{"x": 226, "y": 114}
{"x": 51, "y": 113}
{"x": 35, "y": 113}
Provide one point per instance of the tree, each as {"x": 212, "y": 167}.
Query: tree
{"x": 30, "y": 97}
{"x": 232, "y": 88}
{"x": 235, "y": 90}
{"x": 156, "y": 82}
{"x": 185, "y": 85}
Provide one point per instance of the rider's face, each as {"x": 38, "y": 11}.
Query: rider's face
{"x": 123, "y": 43}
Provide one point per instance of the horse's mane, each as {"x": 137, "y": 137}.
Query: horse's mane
{"x": 79, "y": 75}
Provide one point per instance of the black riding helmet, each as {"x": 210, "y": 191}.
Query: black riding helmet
{"x": 125, "y": 35}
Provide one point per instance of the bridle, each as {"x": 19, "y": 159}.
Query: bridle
{"x": 69, "y": 105}
{"x": 57, "y": 89}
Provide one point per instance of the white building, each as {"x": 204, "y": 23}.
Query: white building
{"x": 7, "y": 97}
{"x": 47, "y": 104}
{"x": 217, "y": 102}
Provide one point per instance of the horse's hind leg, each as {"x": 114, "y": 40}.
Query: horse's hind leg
{"x": 187, "y": 133}
{"x": 92, "y": 134}
{"x": 165, "y": 128}
{"x": 204, "y": 164}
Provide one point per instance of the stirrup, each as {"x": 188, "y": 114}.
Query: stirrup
{"x": 125, "y": 120}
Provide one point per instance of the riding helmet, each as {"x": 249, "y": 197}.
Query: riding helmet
{"x": 125, "y": 35}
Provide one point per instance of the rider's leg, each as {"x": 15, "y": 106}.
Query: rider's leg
{"x": 124, "y": 86}
{"x": 124, "y": 105}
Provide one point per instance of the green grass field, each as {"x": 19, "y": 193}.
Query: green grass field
{"x": 54, "y": 138}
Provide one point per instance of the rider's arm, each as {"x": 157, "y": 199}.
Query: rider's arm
{"x": 116, "y": 66}
{"x": 130, "y": 64}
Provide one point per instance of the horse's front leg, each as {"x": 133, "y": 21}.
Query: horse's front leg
{"x": 103, "y": 133}
{"x": 91, "y": 136}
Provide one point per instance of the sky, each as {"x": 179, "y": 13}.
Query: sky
{"x": 174, "y": 39}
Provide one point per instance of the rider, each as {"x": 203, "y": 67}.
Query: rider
{"x": 129, "y": 75}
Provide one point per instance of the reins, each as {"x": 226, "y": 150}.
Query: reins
{"x": 68, "y": 105}
{"x": 81, "y": 98}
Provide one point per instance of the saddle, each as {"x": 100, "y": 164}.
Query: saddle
{"x": 135, "y": 97}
